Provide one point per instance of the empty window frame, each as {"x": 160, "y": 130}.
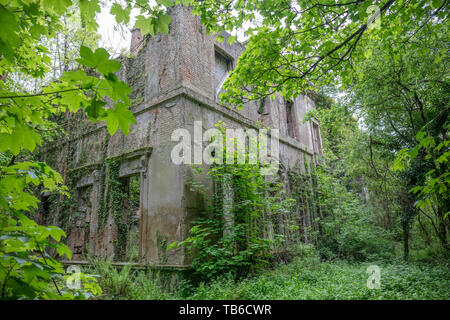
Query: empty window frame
{"x": 78, "y": 223}
{"x": 223, "y": 67}
{"x": 127, "y": 248}
{"x": 44, "y": 212}
{"x": 316, "y": 138}
{"x": 263, "y": 107}
{"x": 290, "y": 119}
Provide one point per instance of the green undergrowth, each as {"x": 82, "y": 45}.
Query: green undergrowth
{"x": 312, "y": 279}
{"x": 305, "y": 277}
{"x": 123, "y": 283}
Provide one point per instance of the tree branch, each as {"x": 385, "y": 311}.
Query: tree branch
{"x": 40, "y": 94}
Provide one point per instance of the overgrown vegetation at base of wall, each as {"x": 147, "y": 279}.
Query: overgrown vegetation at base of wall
{"x": 241, "y": 227}
{"x": 313, "y": 279}
{"x": 128, "y": 283}
{"x": 306, "y": 277}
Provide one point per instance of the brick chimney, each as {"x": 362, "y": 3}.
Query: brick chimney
{"x": 137, "y": 40}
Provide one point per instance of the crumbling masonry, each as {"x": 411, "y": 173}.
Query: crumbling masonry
{"x": 128, "y": 199}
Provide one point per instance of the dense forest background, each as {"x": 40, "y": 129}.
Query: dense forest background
{"x": 378, "y": 72}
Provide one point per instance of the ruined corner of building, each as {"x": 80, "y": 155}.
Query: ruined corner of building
{"x": 129, "y": 201}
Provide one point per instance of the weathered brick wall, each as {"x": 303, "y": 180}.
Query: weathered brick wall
{"x": 173, "y": 82}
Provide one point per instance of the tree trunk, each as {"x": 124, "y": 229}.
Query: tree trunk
{"x": 424, "y": 230}
{"x": 408, "y": 215}
{"x": 443, "y": 233}
{"x": 405, "y": 239}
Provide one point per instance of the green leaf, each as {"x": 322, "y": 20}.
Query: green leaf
{"x": 32, "y": 271}
{"x": 21, "y": 288}
{"x": 9, "y": 27}
{"x": 22, "y": 136}
{"x": 413, "y": 152}
{"x": 95, "y": 109}
{"x": 73, "y": 100}
{"x": 108, "y": 66}
{"x": 119, "y": 117}
{"x": 62, "y": 249}
{"x": 58, "y": 6}
{"x": 146, "y": 25}
{"x": 220, "y": 38}
{"x": 122, "y": 15}
{"x": 120, "y": 90}
{"x": 98, "y": 59}
{"x": 437, "y": 3}
{"x": 88, "y": 10}
{"x": 112, "y": 123}
{"x": 166, "y": 3}
{"x": 231, "y": 40}
{"x": 56, "y": 233}
{"x": 163, "y": 23}
{"x": 420, "y": 135}
{"x": 87, "y": 57}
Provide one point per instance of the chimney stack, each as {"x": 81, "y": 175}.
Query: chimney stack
{"x": 137, "y": 40}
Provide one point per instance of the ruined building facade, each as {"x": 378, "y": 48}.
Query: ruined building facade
{"x": 175, "y": 80}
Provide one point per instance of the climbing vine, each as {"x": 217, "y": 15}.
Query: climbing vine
{"x": 161, "y": 243}
{"x": 112, "y": 203}
{"x": 236, "y": 231}
{"x": 116, "y": 195}
{"x": 102, "y": 213}
{"x": 304, "y": 191}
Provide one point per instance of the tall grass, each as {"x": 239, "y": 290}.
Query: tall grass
{"x": 306, "y": 277}
{"x": 312, "y": 279}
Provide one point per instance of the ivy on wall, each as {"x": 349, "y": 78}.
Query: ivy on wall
{"x": 102, "y": 212}
{"x": 118, "y": 197}
{"x": 303, "y": 190}
{"x": 249, "y": 219}
{"x": 119, "y": 191}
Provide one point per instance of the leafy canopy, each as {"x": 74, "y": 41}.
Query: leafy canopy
{"x": 297, "y": 45}
{"x": 26, "y": 268}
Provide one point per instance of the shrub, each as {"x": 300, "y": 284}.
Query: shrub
{"x": 115, "y": 282}
{"x": 347, "y": 230}
{"x": 230, "y": 236}
{"x": 124, "y": 282}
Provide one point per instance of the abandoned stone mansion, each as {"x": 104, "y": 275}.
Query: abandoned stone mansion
{"x": 176, "y": 79}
